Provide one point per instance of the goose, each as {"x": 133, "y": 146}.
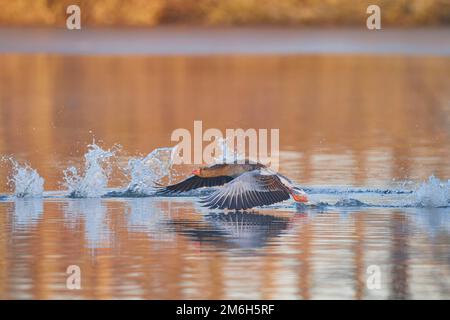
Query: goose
{"x": 243, "y": 186}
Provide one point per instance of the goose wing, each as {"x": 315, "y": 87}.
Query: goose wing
{"x": 193, "y": 182}
{"x": 251, "y": 189}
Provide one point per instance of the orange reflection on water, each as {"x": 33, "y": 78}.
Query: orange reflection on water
{"x": 342, "y": 119}
{"x": 169, "y": 249}
{"x": 351, "y": 120}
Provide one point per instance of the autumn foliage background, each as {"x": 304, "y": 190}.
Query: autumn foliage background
{"x": 223, "y": 12}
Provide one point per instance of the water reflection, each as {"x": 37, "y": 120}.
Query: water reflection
{"x": 436, "y": 221}
{"x": 243, "y": 230}
{"x": 93, "y": 213}
{"x": 399, "y": 256}
{"x": 166, "y": 248}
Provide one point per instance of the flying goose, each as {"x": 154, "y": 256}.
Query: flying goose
{"x": 244, "y": 186}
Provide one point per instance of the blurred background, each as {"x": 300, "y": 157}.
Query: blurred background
{"x": 224, "y": 12}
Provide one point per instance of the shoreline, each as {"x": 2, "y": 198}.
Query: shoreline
{"x": 225, "y": 41}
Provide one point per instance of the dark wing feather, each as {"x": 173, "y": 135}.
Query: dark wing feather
{"x": 194, "y": 182}
{"x": 251, "y": 189}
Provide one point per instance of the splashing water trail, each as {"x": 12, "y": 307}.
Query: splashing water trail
{"x": 145, "y": 171}
{"x": 97, "y": 170}
{"x": 432, "y": 193}
{"x": 25, "y": 181}
{"x": 160, "y": 166}
{"x": 227, "y": 152}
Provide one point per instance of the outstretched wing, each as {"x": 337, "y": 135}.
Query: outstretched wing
{"x": 251, "y": 189}
{"x": 193, "y": 182}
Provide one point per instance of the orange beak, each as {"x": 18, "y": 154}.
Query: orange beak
{"x": 196, "y": 172}
{"x": 300, "y": 198}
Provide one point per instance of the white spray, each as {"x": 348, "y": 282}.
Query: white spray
{"x": 97, "y": 170}
{"x": 145, "y": 171}
{"x": 432, "y": 193}
{"x": 24, "y": 181}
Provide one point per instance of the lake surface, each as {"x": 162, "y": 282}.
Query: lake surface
{"x": 367, "y": 136}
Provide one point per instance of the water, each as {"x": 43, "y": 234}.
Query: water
{"x": 371, "y": 150}
{"x": 24, "y": 180}
{"x": 94, "y": 181}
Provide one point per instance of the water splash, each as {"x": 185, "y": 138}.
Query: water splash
{"x": 433, "y": 193}
{"x": 337, "y": 190}
{"x": 97, "y": 170}
{"x": 25, "y": 181}
{"x": 145, "y": 171}
{"x": 349, "y": 202}
{"x": 158, "y": 166}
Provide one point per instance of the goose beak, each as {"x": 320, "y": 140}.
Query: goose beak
{"x": 196, "y": 172}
